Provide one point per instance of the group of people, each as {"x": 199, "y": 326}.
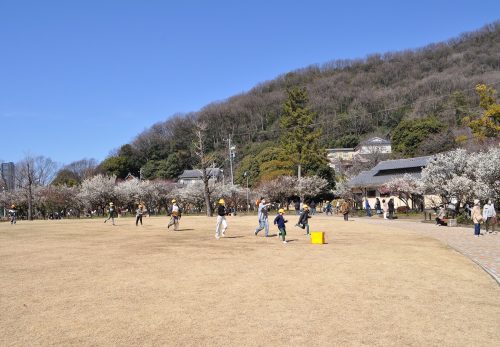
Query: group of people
{"x": 385, "y": 208}
{"x": 488, "y": 217}
{"x": 263, "y": 220}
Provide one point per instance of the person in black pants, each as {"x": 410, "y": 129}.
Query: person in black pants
{"x": 390, "y": 204}
{"x": 138, "y": 214}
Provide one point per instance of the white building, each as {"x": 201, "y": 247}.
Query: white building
{"x": 191, "y": 176}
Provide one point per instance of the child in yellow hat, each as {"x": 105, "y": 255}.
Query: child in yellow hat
{"x": 221, "y": 220}
{"x": 280, "y": 222}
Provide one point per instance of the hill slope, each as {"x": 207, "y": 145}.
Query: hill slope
{"x": 353, "y": 99}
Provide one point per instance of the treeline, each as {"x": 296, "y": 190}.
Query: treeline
{"x": 351, "y": 100}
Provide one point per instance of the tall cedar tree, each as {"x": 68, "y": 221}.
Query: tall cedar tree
{"x": 299, "y": 138}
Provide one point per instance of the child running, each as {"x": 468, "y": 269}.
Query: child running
{"x": 12, "y": 214}
{"x": 175, "y": 216}
{"x": 304, "y": 219}
{"x": 221, "y": 220}
{"x": 111, "y": 214}
{"x": 280, "y": 222}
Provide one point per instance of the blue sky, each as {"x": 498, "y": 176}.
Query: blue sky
{"x": 80, "y": 78}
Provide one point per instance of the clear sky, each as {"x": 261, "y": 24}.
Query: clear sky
{"x": 79, "y": 78}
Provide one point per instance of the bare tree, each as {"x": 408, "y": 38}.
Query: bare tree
{"x": 200, "y": 129}
{"x": 31, "y": 172}
{"x": 83, "y": 168}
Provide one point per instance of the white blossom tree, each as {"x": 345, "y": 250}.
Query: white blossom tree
{"x": 405, "y": 187}
{"x": 309, "y": 186}
{"x": 343, "y": 190}
{"x": 97, "y": 191}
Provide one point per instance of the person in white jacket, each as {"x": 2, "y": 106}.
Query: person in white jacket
{"x": 489, "y": 217}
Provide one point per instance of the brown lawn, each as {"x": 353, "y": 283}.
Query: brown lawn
{"x": 86, "y": 283}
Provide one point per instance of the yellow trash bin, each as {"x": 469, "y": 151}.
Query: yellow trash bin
{"x": 318, "y": 237}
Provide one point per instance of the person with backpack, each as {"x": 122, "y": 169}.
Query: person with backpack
{"x": 280, "y": 222}
{"x": 344, "y": 210}
{"x": 477, "y": 218}
{"x": 304, "y": 219}
{"x": 263, "y": 218}
{"x": 175, "y": 215}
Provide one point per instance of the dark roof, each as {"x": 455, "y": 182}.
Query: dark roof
{"x": 197, "y": 174}
{"x": 417, "y": 162}
{"x": 387, "y": 170}
{"x": 370, "y": 179}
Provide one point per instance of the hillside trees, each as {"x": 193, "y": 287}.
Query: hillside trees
{"x": 410, "y": 134}
{"x": 487, "y": 125}
{"x": 350, "y": 99}
{"x": 300, "y": 139}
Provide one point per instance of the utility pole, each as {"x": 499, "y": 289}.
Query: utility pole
{"x": 248, "y": 202}
{"x": 231, "y": 155}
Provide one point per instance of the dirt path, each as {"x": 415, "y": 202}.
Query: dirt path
{"x": 89, "y": 283}
{"x": 484, "y": 250}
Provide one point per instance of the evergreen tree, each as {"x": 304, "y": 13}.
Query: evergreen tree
{"x": 299, "y": 138}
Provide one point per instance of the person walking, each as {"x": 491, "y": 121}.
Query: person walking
{"x": 378, "y": 207}
{"x": 489, "y": 217}
{"x": 280, "y": 222}
{"x": 385, "y": 208}
{"x": 175, "y": 215}
{"x": 329, "y": 208}
{"x": 111, "y": 213}
{"x": 477, "y": 218}
{"x": 304, "y": 219}
{"x": 13, "y": 214}
{"x": 337, "y": 207}
{"x": 138, "y": 214}
{"x": 344, "y": 210}
{"x": 297, "y": 207}
{"x": 390, "y": 205}
{"x": 312, "y": 206}
{"x": 368, "y": 208}
{"x": 263, "y": 218}
{"x": 221, "y": 226}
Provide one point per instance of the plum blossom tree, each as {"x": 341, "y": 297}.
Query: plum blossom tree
{"x": 343, "y": 190}
{"x": 97, "y": 191}
{"x": 278, "y": 190}
{"x": 406, "y": 188}
{"x": 309, "y": 186}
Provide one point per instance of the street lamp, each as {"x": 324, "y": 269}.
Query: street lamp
{"x": 232, "y": 154}
{"x": 248, "y": 202}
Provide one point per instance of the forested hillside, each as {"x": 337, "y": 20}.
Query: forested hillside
{"x": 431, "y": 89}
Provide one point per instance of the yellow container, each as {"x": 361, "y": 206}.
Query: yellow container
{"x": 318, "y": 237}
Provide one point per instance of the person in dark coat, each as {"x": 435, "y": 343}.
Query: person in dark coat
{"x": 390, "y": 205}
{"x": 304, "y": 219}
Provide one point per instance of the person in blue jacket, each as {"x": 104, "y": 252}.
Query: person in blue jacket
{"x": 280, "y": 222}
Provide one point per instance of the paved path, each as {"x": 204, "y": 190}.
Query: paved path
{"x": 483, "y": 250}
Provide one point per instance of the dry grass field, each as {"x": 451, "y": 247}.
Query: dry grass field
{"x": 86, "y": 283}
